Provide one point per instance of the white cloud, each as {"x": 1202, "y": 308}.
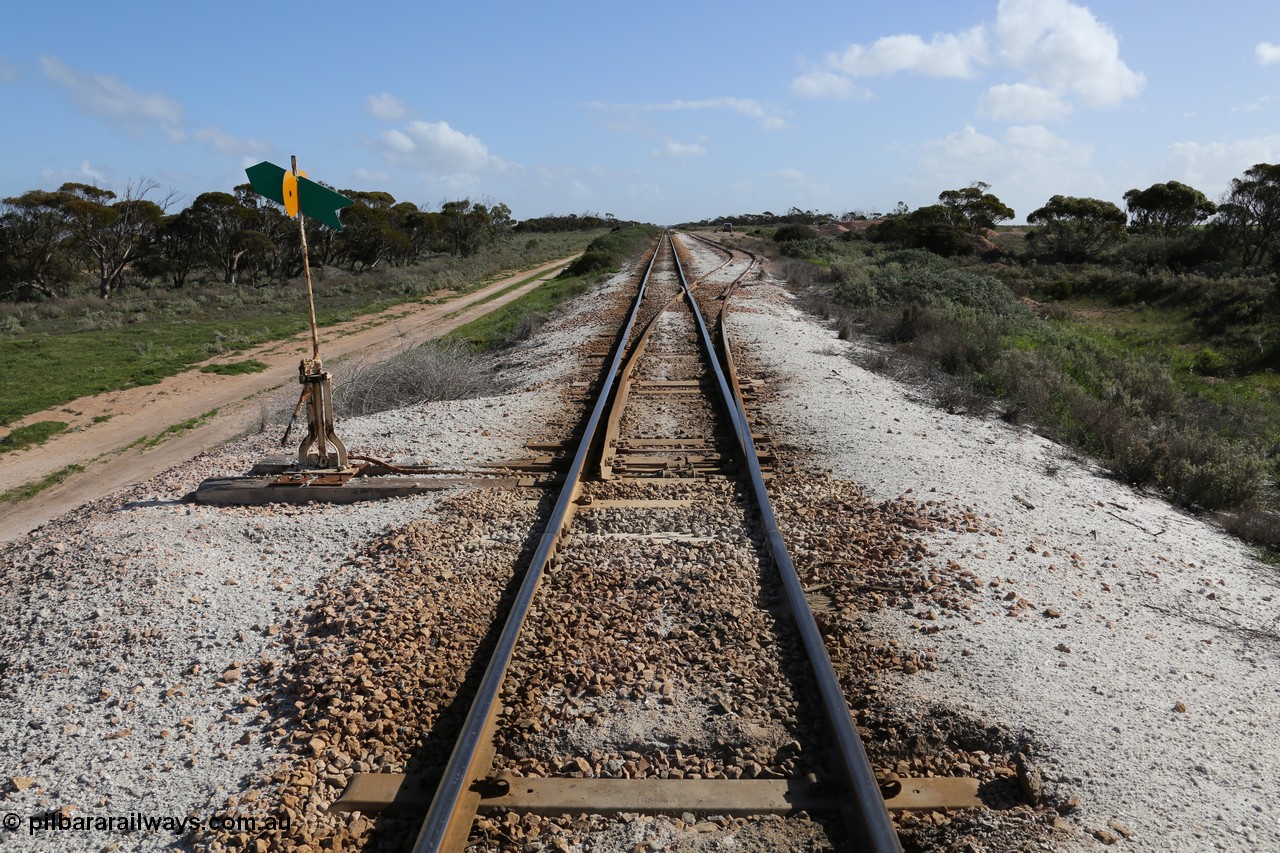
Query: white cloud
{"x": 223, "y": 142}
{"x": 825, "y": 84}
{"x": 1026, "y": 165}
{"x": 1062, "y": 46}
{"x": 1267, "y": 53}
{"x": 1253, "y": 106}
{"x": 1210, "y": 166}
{"x": 801, "y": 183}
{"x": 86, "y": 173}
{"x": 386, "y": 107}
{"x": 769, "y": 120}
{"x": 679, "y": 151}
{"x": 108, "y": 97}
{"x": 8, "y": 71}
{"x": 945, "y": 55}
{"x": 437, "y": 148}
{"x": 1022, "y": 102}
{"x": 1060, "y": 49}
{"x": 398, "y": 141}
{"x": 580, "y": 192}
{"x": 367, "y": 176}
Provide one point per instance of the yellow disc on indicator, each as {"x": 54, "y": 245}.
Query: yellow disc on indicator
{"x": 290, "y": 193}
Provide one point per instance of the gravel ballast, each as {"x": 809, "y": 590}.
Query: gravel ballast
{"x": 1137, "y": 644}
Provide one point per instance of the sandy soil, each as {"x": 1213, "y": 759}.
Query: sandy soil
{"x": 104, "y": 450}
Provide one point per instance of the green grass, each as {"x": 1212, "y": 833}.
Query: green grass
{"x": 235, "y": 368}
{"x": 35, "y": 487}
{"x": 146, "y": 442}
{"x": 505, "y": 324}
{"x": 498, "y": 327}
{"x": 30, "y": 435}
{"x": 492, "y": 296}
{"x": 84, "y": 345}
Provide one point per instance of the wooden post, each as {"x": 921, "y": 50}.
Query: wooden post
{"x": 317, "y": 384}
{"x": 306, "y": 271}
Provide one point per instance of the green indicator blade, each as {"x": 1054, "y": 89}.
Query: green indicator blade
{"x": 321, "y": 203}
{"x": 267, "y": 179}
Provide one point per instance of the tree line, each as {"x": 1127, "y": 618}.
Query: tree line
{"x": 51, "y": 241}
{"x": 1167, "y": 224}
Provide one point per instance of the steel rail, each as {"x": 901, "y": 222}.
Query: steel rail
{"x": 871, "y": 827}
{"x": 608, "y": 450}
{"x": 442, "y": 815}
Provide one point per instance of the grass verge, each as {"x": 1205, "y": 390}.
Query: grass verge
{"x": 35, "y": 487}
{"x": 521, "y": 317}
{"x": 31, "y": 435}
{"x": 235, "y": 368}
{"x": 148, "y": 442}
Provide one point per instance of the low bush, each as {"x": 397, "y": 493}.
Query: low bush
{"x": 422, "y": 374}
{"x": 972, "y": 334}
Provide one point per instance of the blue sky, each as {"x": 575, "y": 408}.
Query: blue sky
{"x": 660, "y": 111}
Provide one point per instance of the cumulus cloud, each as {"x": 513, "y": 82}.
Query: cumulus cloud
{"x": 108, "y": 97}
{"x": 825, "y": 84}
{"x": 1060, "y": 49}
{"x": 437, "y": 148}
{"x": 1064, "y": 47}
{"x": 679, "y": 151}
{"x": 1022, "y": 102}
{"x": 221, "y": 141}
{"x": 1267, "y": 53}
{"x": 86, "y": 173}
{"x": 386, "y": 107}
{"x": 369, "y": 176}
{"x": 945, "y": 55}
{"x": 1027, "y": 164}
{"x": 769, "y": 120}
{"x": 1211, "y": 166}
{"x": 799, "y": 182}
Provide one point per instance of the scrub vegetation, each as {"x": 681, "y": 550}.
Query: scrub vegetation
{"x": 1147, "y": 339}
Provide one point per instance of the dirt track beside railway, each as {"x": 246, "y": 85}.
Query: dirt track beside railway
{"x": 110, "y": 451}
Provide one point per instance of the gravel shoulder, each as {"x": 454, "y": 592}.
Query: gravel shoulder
{"x": 144, "y": 640}
{"x": 1139, "y": 647}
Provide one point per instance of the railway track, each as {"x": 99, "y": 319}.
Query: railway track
{"x": 660, "y": 656}
{"x": 652, "y": 676}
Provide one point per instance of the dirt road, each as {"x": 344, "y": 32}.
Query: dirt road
{"x": 114, "y": 452}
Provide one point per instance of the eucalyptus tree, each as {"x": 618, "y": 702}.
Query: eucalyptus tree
{"x": 1167, "y": 209}
{"x": 1250, "y": 214}
{"x": 1076, "y": 229}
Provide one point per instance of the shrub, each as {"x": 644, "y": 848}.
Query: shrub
{"x": 590, "y": 262}
{"x": 787, "y": 233}
{"x": 422, "y": 374}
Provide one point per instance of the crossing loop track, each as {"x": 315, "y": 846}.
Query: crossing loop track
{"x": 454, "y": 806}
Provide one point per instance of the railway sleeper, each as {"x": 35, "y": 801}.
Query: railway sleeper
{"x": 390, "y": 792}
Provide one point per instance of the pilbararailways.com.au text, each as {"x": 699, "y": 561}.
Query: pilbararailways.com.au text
{"x": 141, "y": 822}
